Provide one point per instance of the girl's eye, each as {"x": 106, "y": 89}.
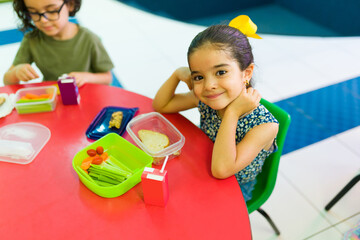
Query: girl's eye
{"x": 197, "y": 78}
{"x": 221, "y": 72}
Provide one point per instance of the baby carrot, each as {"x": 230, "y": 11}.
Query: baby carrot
{"x": 86, "y": 163}
{"x": 104, "y": 156}
{"x": 31, "y": 96}
{"x": 45, "y": 95}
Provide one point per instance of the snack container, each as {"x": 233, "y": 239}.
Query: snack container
{"x": 34, "y": 106}
{"x": 131, "y": 159}
{"x": 21, "y": 142}
{"x": 156, "y": 122}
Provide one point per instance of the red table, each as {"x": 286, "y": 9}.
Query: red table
{"x": 46, "y": 200}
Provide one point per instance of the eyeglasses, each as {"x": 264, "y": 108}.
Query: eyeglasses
{"x": 49, "y": 15}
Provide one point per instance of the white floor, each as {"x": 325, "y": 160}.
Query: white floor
{"x": 146, "y": 49}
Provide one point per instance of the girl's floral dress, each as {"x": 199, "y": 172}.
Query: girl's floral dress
{"x": 210, "y": 124}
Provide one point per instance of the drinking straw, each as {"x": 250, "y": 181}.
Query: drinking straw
{"x": 164, "y": 164}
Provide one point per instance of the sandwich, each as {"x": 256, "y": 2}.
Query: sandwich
{"x": 153, "y": 141}
{"x": 2, "y": 100}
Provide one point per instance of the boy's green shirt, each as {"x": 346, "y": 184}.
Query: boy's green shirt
{"x": 83, "y": 53}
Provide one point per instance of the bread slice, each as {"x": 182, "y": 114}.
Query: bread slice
{"x": 154, "y": 141}
{"x": 2, "y": 100}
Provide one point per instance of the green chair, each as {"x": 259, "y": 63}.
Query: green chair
{"x": 267, "y": 178}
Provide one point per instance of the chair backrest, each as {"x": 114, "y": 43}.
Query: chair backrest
{"x": 267, "y": 178}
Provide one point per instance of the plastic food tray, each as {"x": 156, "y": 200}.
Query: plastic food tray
{"x": 99, "y": 127}
{"x": 36, "y": 106}
{"x": 130, "y": 156}
{"x": 21, "y": 142}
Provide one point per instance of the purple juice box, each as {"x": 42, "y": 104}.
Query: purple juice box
{"x": 68, "y": 90}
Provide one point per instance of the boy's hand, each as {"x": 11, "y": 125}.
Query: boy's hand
{"x": 80, "y": 77}
{"x": 24, "y": 72}
{"x": 247, "y": 101}
{"x": 184, "y": 74}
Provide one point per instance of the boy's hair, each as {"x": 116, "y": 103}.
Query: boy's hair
{"x": 26, "y": 22}
{"x": 227, "y": 39}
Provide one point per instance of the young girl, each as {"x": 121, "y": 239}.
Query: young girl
{"x": 56, "y": 45}
{"x": 219, "y": 77}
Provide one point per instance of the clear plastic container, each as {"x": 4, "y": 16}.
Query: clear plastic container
{"x": 156, "y": 122}
{"x": 21, "y": 142}
{"x": 33, "y": 106}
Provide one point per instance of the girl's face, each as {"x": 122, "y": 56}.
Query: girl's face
{"x": 52, "y": 28}
{"x": 217, "y": 78}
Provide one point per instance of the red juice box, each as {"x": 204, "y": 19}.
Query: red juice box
{"x": 155, "y": 186}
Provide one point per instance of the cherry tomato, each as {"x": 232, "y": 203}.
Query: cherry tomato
{"x": 91, "y": 152}
{"x": 99, "y": 150}
{"x": 97, "y": 160}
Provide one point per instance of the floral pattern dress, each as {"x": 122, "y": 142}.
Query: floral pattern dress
{"x": 210, "y": 124}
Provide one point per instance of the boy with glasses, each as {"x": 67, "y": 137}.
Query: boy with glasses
{"x": 56, "y": 45}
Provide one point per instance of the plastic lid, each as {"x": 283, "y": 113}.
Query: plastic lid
{"x": 21, "y": 142}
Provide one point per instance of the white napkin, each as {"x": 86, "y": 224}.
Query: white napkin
{"x": 7, "y": 107}
{"x": 16, "y": 149}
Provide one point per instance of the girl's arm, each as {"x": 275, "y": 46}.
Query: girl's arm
{"x": 229, "y": 158}
{"x": 86, "y": 77}
{"x": 167, "y": 101}
{"x": 21, "y": 72}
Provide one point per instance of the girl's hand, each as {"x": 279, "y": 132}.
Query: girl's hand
{"x": 247, "y": 101}
{"x": 184, "y": 75}
{"x": 24, "y": 72}
{"x": 167, "y": 101}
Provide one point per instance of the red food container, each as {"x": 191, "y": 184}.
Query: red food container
{"x": 155, "y": 186}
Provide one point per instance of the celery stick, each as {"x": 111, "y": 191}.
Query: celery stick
{"x": 104, "y": 171}
{"x": 32, "y": 100}
{"x": 44, "y": 107}
{"x": 114, "y": 162}
{"x": 110, "y": 169}
{"x": 119, "y": 169}
{"x": 109, "y": 180}
{"x": 84, "y": 174}
{"x": 107, "y": 174}
{"x": 103, "y": 178}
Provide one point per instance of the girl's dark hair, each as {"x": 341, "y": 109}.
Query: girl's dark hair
{"x": 228, "y": 39}
{"x": 26, "y": 23}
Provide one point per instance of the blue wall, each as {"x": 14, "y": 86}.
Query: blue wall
{"x": 343, "y": 16}
{"x": 191, "y": 9}
{"x": 340, "y": 16}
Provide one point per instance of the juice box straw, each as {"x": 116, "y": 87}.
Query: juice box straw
{"x": 164, "y": 164}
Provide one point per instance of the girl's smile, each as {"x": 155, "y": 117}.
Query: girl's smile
{"x": 214, "y": 96}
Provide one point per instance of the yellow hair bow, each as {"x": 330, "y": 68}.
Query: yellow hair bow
{"x": 245, "y": 25}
